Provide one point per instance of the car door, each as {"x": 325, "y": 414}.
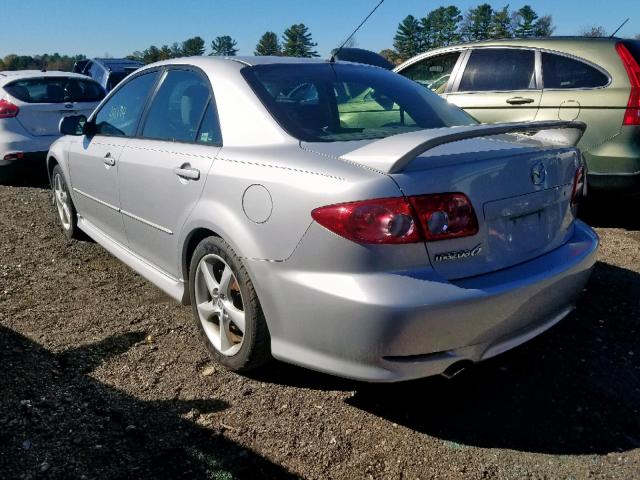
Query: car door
{"x": 93, "y": 161}
{"x": 434, "y": 72}
{"x": 163, "y": 171}
{"x": 498, "y": 85}
{"x": 575, "y": 90}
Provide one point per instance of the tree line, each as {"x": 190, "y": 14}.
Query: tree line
{"x": 448, "y": 25}
{"x": 53, "y": 61}
{"x": 296, "y": 42}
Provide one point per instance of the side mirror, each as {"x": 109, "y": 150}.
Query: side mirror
{"x": 73, "y": 125}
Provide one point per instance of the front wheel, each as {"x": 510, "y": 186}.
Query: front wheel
{"x": 62, "y": 200}
{"x": 226, "y": 307}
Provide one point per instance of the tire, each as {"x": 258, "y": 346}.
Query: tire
{"x": 67, "y": 214}
{"x": 217, "y": 293}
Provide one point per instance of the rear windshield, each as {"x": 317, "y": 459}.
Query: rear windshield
{"x": 340, "y": 102}
{"x": 55, "y": 90}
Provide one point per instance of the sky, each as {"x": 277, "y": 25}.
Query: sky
{"x": 119, "y": 27}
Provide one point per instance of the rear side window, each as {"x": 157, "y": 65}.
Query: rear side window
{"x": 634, "y": 48}
{"x": 120, "y": 114}
{"x": 434, "y": 72}
{"x": 563, "y": 72}
{"x": 177, "y": 109}
{"x": 55, "y": 90}
{"x": 209, "y": 132}
{"x": 499, "y": 69}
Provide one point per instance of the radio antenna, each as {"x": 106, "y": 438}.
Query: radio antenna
{"x": 335, "y": 54}
{"x": 616, "y": 30}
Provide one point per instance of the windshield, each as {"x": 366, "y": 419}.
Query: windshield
{"x": 337, "y": 102}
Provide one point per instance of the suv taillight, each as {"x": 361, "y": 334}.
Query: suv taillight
{"x": 632, "y": 114}
{"x": 401, "y": 220}
{"x": 8, "y": 109}
{"x": 579, "y": 185}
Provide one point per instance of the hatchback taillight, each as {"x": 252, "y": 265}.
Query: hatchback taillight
{"x": 8, "y": 109}
{"x": 632, "y": 113}
{"x": 401, "y": 220}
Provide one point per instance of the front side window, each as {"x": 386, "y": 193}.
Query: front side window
{"x": 433, "y": 72}
{"x": 55, "y": 90}
{"x": 177, "y": 109}
{"x": 563, "y": 72}
{"x": 326, "y": 102}
{"x": 120, "y": 114}
{"x": 499, "y": 69}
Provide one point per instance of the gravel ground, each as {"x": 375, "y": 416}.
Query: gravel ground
{"x": 103, "y": 376}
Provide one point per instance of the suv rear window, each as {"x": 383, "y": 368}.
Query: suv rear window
{"x": 55, "y": 90}
{"x": 327, "y": 102}
{"x": 559, "y": 71}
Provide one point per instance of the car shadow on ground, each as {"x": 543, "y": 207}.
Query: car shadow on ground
{"x": 32, "y": 175}
{"x": 573, "y": 390}
{"x": 602, "y": 210}
{"x": 59, "y": 422}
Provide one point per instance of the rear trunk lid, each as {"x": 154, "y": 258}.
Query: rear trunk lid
{"x": 521, "y": 195}
{"x": 520, "y": 186}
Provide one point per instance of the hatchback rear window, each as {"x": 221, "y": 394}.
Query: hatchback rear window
{"x": 559, "y": 71}
{"x": 326, "y": 102}
{"x": 55, "y": 90}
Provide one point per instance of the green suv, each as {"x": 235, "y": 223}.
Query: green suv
{"x": 593, "y": 80}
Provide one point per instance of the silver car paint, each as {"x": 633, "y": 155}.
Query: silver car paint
{"x": 371, "y": 312}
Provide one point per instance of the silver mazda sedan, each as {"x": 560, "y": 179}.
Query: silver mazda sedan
{"x": 333, "y": 215}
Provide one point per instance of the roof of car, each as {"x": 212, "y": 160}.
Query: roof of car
{"x": 11, "y": 75}
{"x": 117, "y": 63}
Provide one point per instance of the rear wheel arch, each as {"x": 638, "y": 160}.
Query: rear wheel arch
{"x": 191, "y": 242}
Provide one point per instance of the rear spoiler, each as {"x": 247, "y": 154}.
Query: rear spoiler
{"x": 394, "y": 153}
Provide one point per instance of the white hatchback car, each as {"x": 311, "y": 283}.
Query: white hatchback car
{"x": 32, "y": 103}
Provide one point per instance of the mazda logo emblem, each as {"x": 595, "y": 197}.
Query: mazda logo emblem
{"x": 538, "y": 173}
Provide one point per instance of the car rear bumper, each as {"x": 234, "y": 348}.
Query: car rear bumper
{"x": 615, "y": 164}
{"x": 392, "y": 326}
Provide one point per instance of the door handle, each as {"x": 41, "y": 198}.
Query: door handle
{"x": 186, "y": 172}
{"x": 519, "y": 100}
{"x": 108, "y": 160}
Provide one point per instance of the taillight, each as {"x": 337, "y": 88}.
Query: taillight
{"x": 384, "y": 220}
{"x": 448, "y": 215}
{"x": 401, "y": 220}
{"x": 632, "y": 114}
{"x": 579, "y": 183}
{"x": 8, "y": 109}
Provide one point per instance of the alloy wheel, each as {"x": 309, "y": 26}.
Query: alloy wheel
{"x": 220, "y": 305}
